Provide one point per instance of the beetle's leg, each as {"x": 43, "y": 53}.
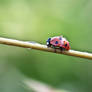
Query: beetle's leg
{"x": 62, "y": 49}
{"x": 49, "y": 45}
{"x": 54, "y": 48}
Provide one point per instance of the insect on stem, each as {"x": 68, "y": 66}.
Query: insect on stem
{"x": 41, "y": 47}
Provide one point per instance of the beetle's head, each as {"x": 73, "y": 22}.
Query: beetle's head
{"x": 48, "y": 41}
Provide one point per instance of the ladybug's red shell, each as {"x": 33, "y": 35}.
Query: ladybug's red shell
{"x": 58, "y": 41}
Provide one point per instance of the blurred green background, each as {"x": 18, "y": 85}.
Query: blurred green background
{"x": 36, "y": 20}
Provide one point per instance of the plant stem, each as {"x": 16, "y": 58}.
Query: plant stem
{"x": 41, "y": 47}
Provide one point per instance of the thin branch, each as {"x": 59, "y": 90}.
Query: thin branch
{"x": 41, "y": 47}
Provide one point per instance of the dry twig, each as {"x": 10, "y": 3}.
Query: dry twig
{"x": 44, "y": 48}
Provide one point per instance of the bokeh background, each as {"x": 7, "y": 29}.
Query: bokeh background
{"x": 36, "y": 20}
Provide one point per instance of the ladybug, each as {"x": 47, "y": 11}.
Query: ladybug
{"x": 58, "y": 42}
